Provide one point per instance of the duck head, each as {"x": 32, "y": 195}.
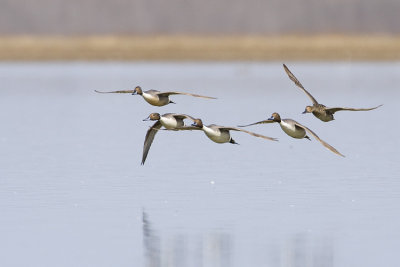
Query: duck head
{"x": 137, "y": 91}
{"x": 308, "y": 109}
{"x": 275, "y": 117}
{"x": 153, "y": 117}
{"x": 197, "y": 123}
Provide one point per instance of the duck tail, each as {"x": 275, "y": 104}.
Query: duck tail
{"x": 233, "y": 141}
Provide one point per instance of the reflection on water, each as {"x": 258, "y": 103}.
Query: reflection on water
{"x": 215, "y": 249}
{"x": 151, "y": 243}
{"x": 302, "y": 250}
{"x": 70, "y": 168}
{"x": 211, "y": 249}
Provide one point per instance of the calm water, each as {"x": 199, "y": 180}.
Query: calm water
{"x": 73, "y": 192}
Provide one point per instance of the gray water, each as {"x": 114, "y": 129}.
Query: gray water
{"x": 73, "y": 192}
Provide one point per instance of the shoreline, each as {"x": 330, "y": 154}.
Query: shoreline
{"x": 201, "y": 48}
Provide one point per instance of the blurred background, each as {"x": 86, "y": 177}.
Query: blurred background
{"x": 193, "y": 30}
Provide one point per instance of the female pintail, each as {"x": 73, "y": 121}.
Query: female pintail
{"x": 318, "y": 110}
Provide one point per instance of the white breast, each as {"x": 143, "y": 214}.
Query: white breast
{"x": 152, "y": 99}
{"x": 291, "y": 130}
{"x": 169, "y": 122}
{"x": 216, "y": 135}
{"x": 155, "y": 100}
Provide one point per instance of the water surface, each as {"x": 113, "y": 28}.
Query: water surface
{"x": 73, "y": 192}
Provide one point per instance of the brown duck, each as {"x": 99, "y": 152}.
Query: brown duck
{"x": 318, "y": 110}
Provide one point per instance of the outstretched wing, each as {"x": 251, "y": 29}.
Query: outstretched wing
{"x": 333, "y": 110}
{"x": 259, "y": 122}
{"x": 187, "y": 128}
{"x": 297, "y": 82}
{"x": 325, "y": 144}
{"x": 181, "y": 93}
{"x": 117, "y": 92}
{"x": 148, "y": 140}
{"x": 183, "y": 116}
{"x": 251, "y": 133}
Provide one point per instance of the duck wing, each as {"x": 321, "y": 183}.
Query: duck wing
{"x": 325, "y": 144}
{"x": 182, "y": 93}
{"x": 259, "y": 122}
{"x": 183, "y": 116}
{"x": 185, "y": 128}
{"x": 148, "y": 140}
{"x": 248, "y": 132}
{"x": 333, "y": 110}
{"x": 297, "y": 82}
{"x": 117, "y": 92}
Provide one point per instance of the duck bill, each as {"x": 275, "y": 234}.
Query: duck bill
{"x": 304, "y": 112}
{"x": 271, "y": 119}
{"x": 147, "y": 119}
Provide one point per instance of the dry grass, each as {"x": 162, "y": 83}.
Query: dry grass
{"x": 324, "y": 47}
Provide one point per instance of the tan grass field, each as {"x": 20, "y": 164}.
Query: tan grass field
{"x": 201, "y": 48}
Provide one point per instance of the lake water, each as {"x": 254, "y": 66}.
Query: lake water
{"x": 73, "y": 192}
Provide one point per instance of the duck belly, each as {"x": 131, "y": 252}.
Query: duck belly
{"x": 170, "y": 123}
{"x": 292, "y": 130}
{"x": 217, "y": 135}
{"x": 155, "y": 100}
{"x": 323, "y": 116}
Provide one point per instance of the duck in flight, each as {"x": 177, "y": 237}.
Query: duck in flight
{"x": 295, "y": 130}
{"x": 170, "y": 121}
{"x": 318, "y": 110}
{"x": 154, "y": 97}
{"x": 220, "y": 134}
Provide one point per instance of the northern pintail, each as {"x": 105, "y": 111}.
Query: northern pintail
{"x": 154, "y": 97}
{"x": 295, "y": 130}
{"x": 170, "y": 121}
{"x": 220, "y": 134}
{"x": 320, "y": 111}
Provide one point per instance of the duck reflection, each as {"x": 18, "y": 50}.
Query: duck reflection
{"x": 215, "y": 249}
{"x": 302, "y": 250}
{"x": 210, "y": 249}
{"x": 151, "y": 243}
